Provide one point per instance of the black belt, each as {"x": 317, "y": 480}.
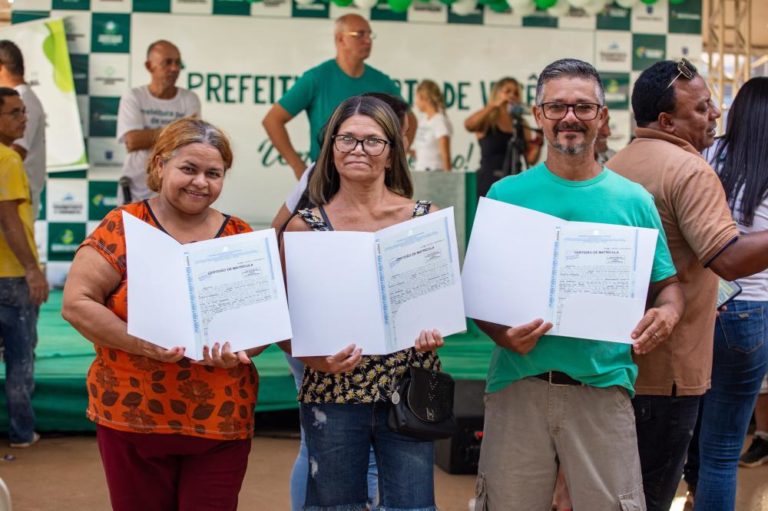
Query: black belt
{"x": 557, "y": 378}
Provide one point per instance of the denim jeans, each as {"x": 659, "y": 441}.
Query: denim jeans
{"x": 740, "y": 361}
{"x": 664, "y": 429}
{"x": 339, "y": 439}
{"x": 301, "y": 465}
{"x": 18, "y": 329}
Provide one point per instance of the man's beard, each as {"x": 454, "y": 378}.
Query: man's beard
{"x": 566, "y": 149}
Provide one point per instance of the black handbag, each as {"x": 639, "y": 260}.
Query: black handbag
{"x": 422, "y": 405}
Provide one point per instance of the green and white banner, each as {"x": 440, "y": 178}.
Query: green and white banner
{"x": 241, "y": 56}
{"x": 46, "y": 59}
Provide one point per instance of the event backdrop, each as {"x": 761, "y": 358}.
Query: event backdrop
{"x": 241, "y": 56}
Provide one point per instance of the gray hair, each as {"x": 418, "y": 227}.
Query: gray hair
{"x": 341, "y": 22}
{"x": 569, "y": 68}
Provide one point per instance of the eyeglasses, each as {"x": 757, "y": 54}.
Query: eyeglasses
{"x": 372, "y": 146}
{"x": 361, "y": 34}
{"x": 583, "y": 111}
{"x": 166, "y": 63}
{"x": 16, "y": 113}
{"x": 684, "y": 69}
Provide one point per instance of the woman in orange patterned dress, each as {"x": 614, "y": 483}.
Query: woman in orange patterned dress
{"x": 173, "y": 434}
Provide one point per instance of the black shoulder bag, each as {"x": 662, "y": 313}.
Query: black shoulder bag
{"x": 422, "y": 405}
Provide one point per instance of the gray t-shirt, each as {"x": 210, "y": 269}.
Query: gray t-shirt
{"x": 140, "y": 110}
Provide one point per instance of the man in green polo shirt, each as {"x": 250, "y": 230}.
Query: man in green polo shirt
{"x": 556, "y": 402}
{"x": 321, "y": 89}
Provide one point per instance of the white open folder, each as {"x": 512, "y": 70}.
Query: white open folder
{"x": 377, "y": 290}
{"x": 590, "y": 280}
{"x": 227, "y": 289}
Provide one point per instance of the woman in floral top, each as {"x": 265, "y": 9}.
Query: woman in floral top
{"x": 173, "y": 434}
{"x": 362, "y": 183}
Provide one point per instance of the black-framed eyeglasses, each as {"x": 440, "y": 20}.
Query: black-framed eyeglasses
{"x": 554, "y": 111}
{"x": 16, "y": 113}
{"x": 361, "y": 34}
{"x": 372, "y": 146}
{"x": 684, "y": 69}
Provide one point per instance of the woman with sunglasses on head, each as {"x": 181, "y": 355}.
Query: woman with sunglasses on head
{"x": 362, "y": 183}
{"x": 507, "y": 144}
{"x": 740, "y": 360}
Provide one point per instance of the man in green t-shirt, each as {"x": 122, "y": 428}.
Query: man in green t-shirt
{"x": 557, "y": 402}
{"x": 321, "y": 89}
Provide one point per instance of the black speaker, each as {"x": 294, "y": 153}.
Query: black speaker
{"x": 461, "y": 453}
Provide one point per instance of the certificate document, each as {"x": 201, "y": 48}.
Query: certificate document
{"x": 227, "y": 289}
{"x": 376, "y": 290}
{"x": 590, "y": 280}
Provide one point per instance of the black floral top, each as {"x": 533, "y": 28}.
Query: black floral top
{"x": 372, "y": 379}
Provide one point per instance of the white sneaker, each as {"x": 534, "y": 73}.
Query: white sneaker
{"x": 24, "y": 445}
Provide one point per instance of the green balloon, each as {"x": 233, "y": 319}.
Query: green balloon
{"x": 676, "y": 2}
{"x": 502, "y": 6}
{"x": 649, "y": 2}
{"x": 343, "y": 3}
{"x": 399, "y": 5}
{"x": 545, "y": 4}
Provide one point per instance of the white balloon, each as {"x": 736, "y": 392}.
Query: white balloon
{"x": 525, "y": 9}
{"x": 595, "y": 6}
{"x": 464, "y": 7}
{"x": 627, "y": 4}
{"x": 363, "y": 4}
{"x": 578, "y": 3}
{"x": 561, "y": 8}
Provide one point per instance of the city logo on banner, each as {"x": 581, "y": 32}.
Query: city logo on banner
{"x": 63, "y": 240}
{"x": 614, "y": 18}
{"x": 103, "y": 116}
{"x": 616, "y": 87}
{"x": 648, "y": 13}
{"x": 649, "y": 49}
{"x": 614, "y": 53}
{"x": 77, "y": 27}
{"x": 103, "y": 198}
{"x": 685, "y": 18}
{"x": 110, "y": 32}
{"x": 68, "y": 205}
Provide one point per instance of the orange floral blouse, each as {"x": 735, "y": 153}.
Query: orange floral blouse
{"x": 142, "y": 395}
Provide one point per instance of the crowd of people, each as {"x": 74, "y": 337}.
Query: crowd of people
{"x": 612, "y": 425}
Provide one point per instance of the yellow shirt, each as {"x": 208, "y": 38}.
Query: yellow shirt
{"x": 14, "y": 187}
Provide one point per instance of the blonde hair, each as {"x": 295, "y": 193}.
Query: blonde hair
{"x": 180, "y": 133}
{"x": 432, "y": 94}
{"x": 325, "y": 180}
{"x": 495, "y": 90}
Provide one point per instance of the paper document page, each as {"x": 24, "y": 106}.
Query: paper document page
{"x": 589, "y": 279}
{"x": 227, "y": 289}
{"x": 228, "y": 278}
{"x": 592, "y": 261}
{"x": 376, "y": 290}
{"x": 415, "y": 262}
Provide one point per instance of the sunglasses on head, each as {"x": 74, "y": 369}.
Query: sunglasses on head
{"x": 684, "y": 69}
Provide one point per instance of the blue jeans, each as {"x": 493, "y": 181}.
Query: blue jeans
{"x": 301, "y": 465}
{"x": 664, "y": 430}
{"x": 18, "y": 329}
{"x": 339, "y": 439}
{"x": 740, "y": 361}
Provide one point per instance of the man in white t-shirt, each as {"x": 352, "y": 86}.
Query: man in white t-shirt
{"x": 31, "y": 147}
{"x": 146, "y": 110}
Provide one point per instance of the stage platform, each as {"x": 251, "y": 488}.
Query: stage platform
{"x": 63, "y": 358}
